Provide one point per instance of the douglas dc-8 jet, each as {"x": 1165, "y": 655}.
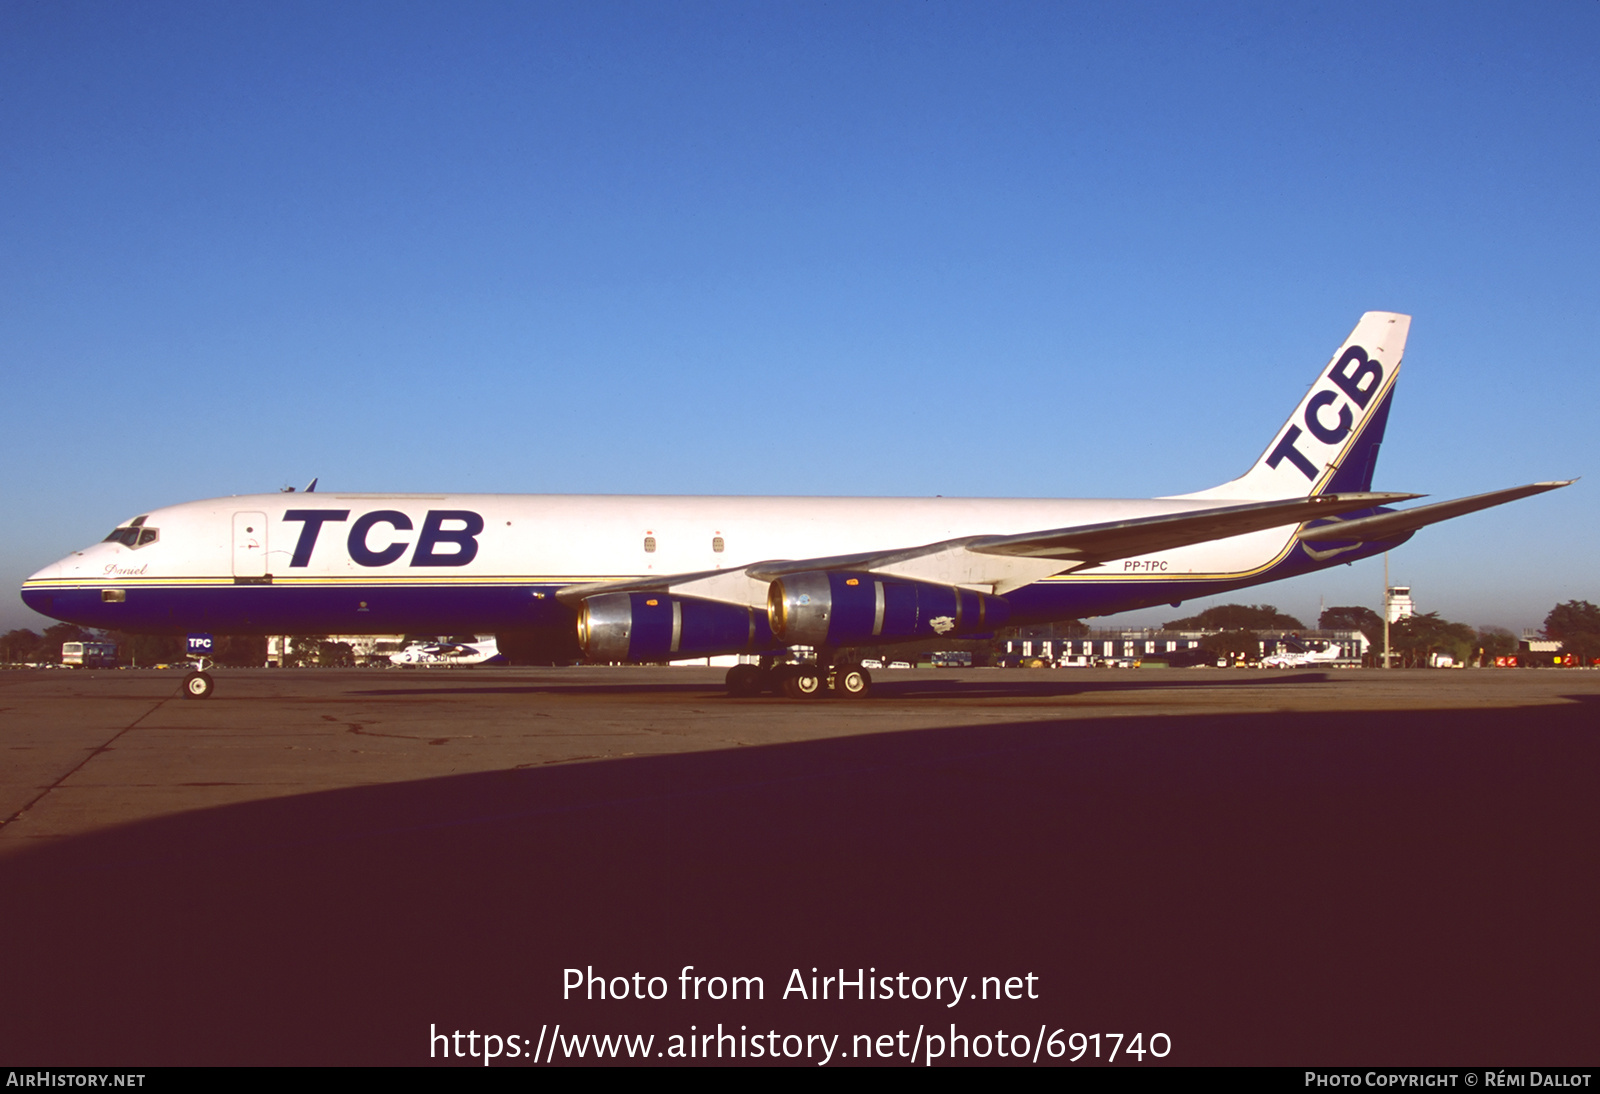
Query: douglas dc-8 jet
{"x": 797, "y": 583}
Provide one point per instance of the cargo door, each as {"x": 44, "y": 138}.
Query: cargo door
{"x": 249, "y": 545}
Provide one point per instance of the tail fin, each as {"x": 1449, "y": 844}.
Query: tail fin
{"x": 1330, "y": 443}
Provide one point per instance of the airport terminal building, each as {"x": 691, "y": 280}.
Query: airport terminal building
{"x": 1129, "y": 645}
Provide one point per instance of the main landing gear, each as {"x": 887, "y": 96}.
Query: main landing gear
{"x": 803, "y": 681}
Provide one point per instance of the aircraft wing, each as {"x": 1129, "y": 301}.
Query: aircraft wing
{"x": 1015, "y": 560}
{"x": 1385, "y": 525}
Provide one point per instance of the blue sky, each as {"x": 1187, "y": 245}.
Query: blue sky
{"x": 794, "y": 248}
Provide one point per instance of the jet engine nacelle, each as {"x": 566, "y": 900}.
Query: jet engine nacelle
{"x": 837, "y": 608}
{"x": 659, "y": 627}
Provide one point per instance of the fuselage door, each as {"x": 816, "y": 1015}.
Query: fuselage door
{"x": 249, "y": 545}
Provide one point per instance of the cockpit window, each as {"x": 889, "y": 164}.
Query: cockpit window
{"x": 133, "y": 534}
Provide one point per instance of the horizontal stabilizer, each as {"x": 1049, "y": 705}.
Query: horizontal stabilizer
{"x": 1387, "y": 525}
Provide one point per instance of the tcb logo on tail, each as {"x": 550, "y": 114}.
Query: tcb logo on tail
{"x": 1328, "y": 417}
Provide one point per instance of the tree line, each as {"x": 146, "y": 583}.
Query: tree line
{"x": 1412, "y": 641}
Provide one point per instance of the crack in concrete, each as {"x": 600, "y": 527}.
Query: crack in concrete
{"x": 79, "y": 766}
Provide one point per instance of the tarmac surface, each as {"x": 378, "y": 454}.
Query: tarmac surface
{"x": 1284, "y": 867}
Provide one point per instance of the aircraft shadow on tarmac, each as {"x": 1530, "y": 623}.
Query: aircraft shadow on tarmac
{"x": 891, "y": 686}
{"x": 1381, "y": 888}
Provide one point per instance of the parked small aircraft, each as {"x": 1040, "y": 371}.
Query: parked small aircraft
{"x": 449, "y": 652}
{"x": 1299, "y": 655}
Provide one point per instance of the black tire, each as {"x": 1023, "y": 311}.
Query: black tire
{"x": 744, "y": 681}
{"x": 802, "y": 682}
{"x": 852, "y": 682}
{"x": 198, "y": 685}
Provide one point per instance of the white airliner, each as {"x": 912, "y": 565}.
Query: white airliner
{"x": 649, "y": 579}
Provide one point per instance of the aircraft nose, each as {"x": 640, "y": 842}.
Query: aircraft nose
{"x": 49, "y": 573}
{"x": 37, "y": 591}
{"x": 36, "y": 594}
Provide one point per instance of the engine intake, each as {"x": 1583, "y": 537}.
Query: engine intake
{"x": 837, "y": 608}
{"x": 659, "y": 627}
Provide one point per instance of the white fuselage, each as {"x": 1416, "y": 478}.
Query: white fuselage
{"x": 565, "y": 539}
{"x": 413, "y": 563}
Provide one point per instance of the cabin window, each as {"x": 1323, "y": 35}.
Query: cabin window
{"x": 649, "y": 545}
{"x": 113, "y": 596}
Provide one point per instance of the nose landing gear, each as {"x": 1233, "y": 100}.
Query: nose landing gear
{"x": 198, "y": 684}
